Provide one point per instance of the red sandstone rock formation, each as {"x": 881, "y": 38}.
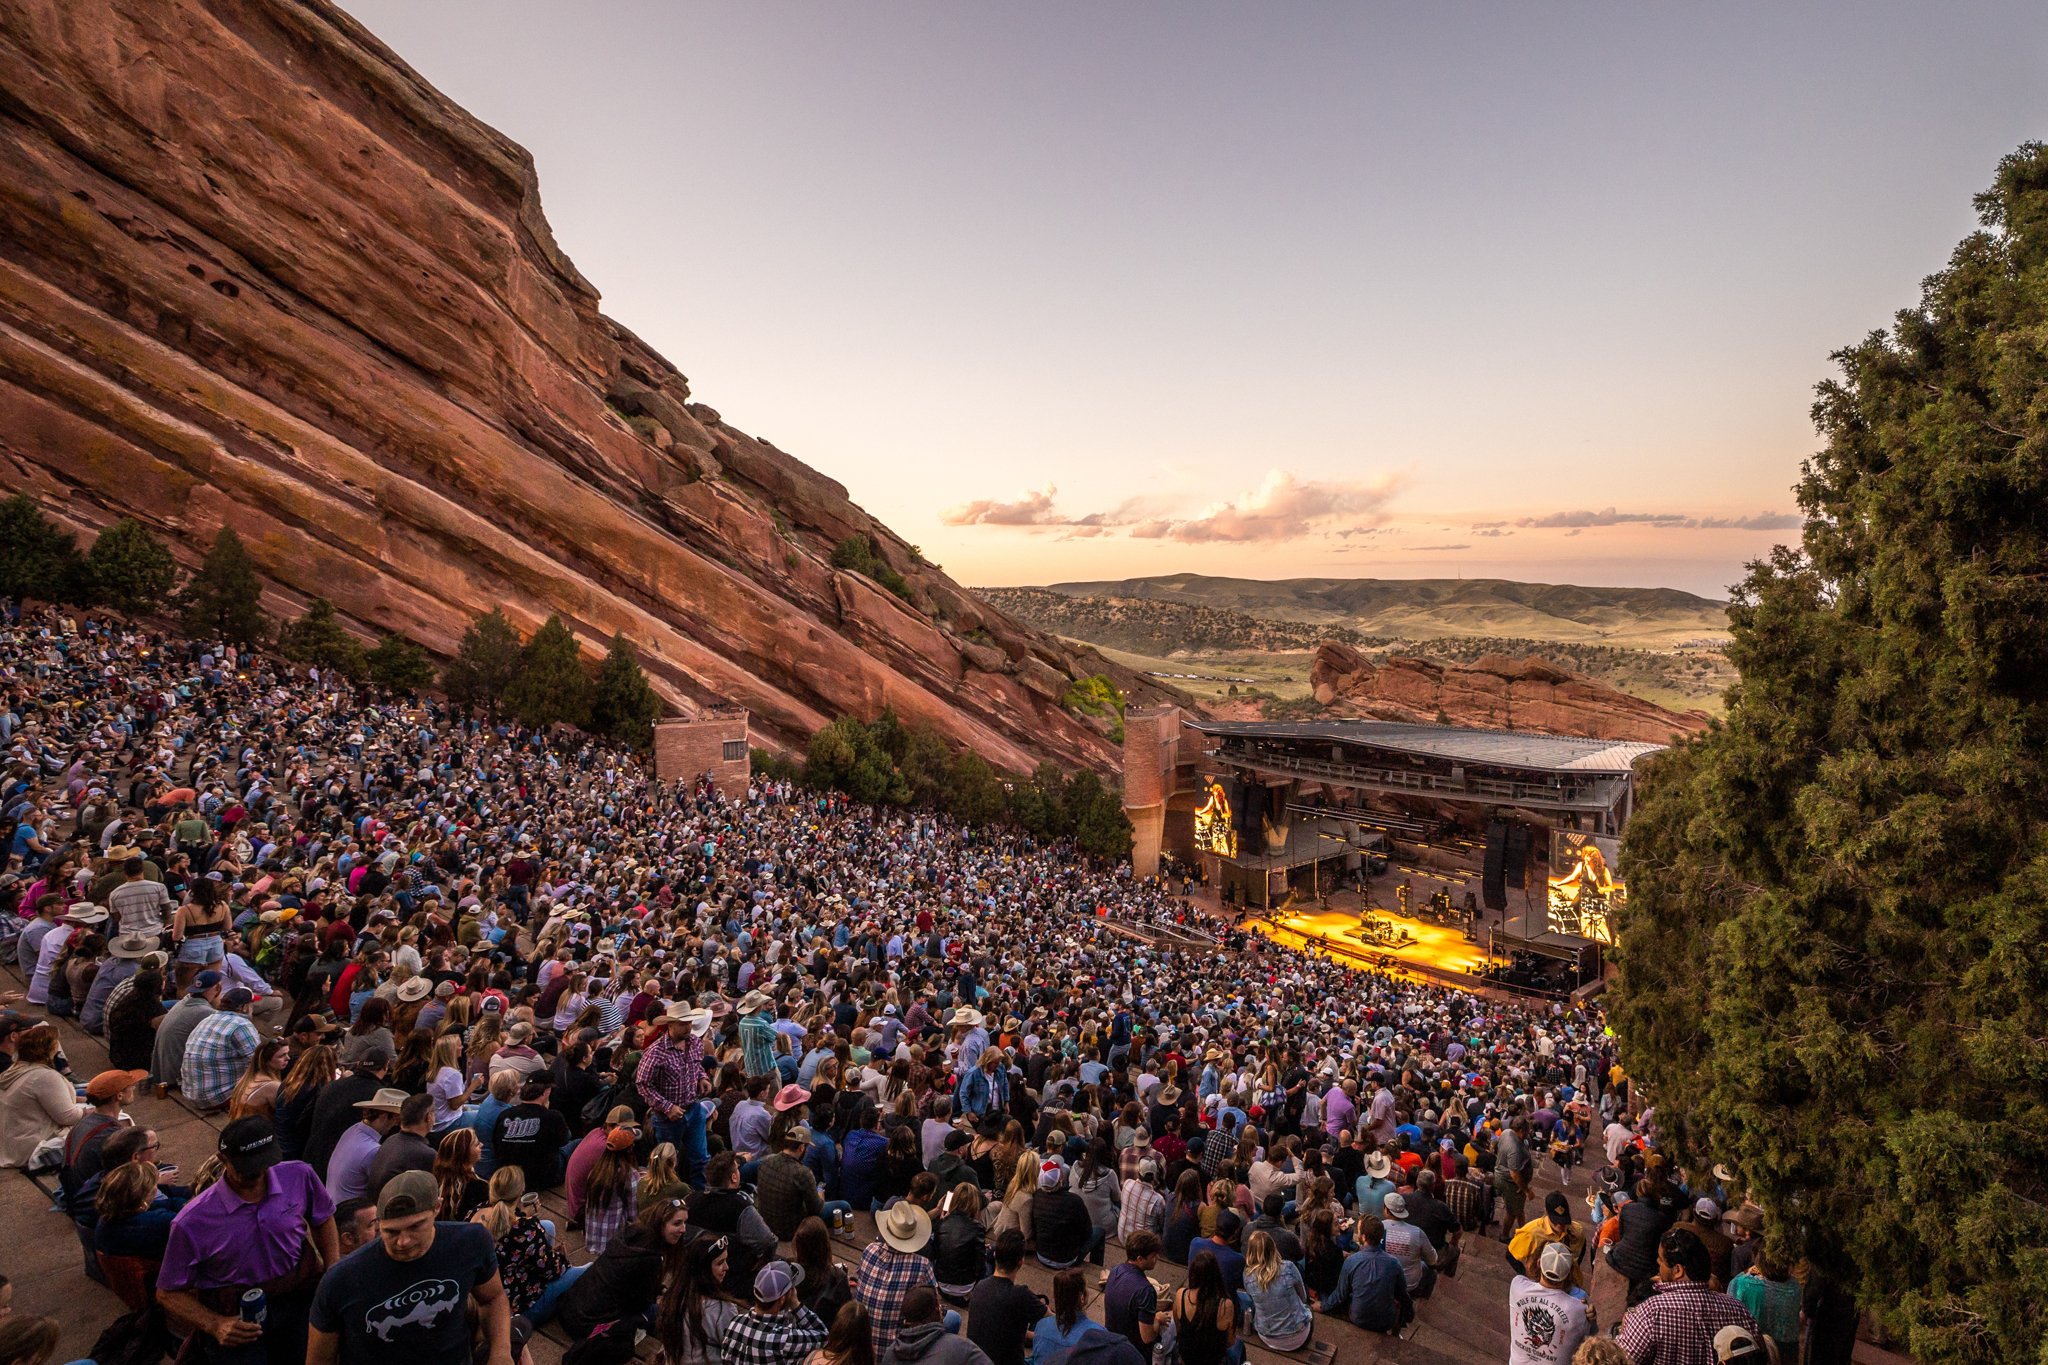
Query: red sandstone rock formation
{"x": 255, "y": 271}
{"x": 1495, "y": 692}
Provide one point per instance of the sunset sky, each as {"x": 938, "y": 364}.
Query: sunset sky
{"x": 1080, "y": 290}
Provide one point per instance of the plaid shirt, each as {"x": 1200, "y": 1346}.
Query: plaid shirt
{"x": 1144, "y": 1207}
{"x": 757, "y": 1043}
{"x": 1470, "y": 1201}
{"x": 1676, "y": 1325}
{"x": 1133, "y": 1156}
{"x": 785, "y": 1193}
{"x": 884, "y": 1278}
{"x": 215, "y": 1057}
{"x": 756, "y": 1338}
{"x": 670, "y": 1075}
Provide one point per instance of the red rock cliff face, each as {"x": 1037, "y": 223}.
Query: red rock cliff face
{"x": 254, "y": 271}
{"x": 1493, "y": 692}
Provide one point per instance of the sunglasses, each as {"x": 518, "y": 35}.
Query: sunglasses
{"x": 720, "y": 1245}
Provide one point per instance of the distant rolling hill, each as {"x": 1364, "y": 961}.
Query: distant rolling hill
{"x": 1437, "y": 608}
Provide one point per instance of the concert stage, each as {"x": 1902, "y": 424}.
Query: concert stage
{"x": 1439, "y": 955}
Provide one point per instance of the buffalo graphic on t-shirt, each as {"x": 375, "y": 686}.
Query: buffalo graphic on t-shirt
{"x": 419, "y": 1305}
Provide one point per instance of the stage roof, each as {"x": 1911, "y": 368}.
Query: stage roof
{"x": 1507, "y": 748}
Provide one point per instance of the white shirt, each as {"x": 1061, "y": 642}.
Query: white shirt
{"x": 1545, "y": 1325}
{"x": 1618, "y": 1136}
{"x": 46, "y": 962}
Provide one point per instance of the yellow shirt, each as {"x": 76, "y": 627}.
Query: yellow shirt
{"x": 1529, "y": 1240}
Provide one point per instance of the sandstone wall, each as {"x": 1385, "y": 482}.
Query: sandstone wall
{"x": 1492, "y": 692}
{"x": 254, "y": 271}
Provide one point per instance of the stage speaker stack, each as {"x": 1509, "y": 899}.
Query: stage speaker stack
{"x": 1493, "y": 888}
{"x": 1517, "y": 867}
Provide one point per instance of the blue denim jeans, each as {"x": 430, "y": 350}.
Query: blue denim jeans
{"x": 690, "y": 1135}
{"x": 551, "y": 1298}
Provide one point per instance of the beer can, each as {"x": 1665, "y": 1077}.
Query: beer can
{"x": 255, "y": 1306}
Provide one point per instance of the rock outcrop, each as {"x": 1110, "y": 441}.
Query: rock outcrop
{"x": 255, "y": 271}
{"x": 1494, "y": 692}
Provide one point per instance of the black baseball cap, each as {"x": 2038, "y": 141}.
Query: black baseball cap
{"x": 1558, "y": 1207}
{"x": 250, "y": 1146}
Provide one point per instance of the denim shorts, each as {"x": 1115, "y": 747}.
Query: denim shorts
{"x": 204, "y": 949}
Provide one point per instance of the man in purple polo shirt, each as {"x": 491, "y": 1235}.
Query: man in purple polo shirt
{"x": 266, "y": 1224}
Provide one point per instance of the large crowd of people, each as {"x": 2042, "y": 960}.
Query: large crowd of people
{"x": 427, "y": 969}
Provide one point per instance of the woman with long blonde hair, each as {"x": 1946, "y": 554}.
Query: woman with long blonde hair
{"x": 1280, "y": 1314}
{"x": 1014, "y": 1209}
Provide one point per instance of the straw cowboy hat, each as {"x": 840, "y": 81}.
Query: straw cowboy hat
{"x": 415, "y": 989}
{"x": 964, "y": 1017}
{"x": 754, "y": 1001}
{"x": 388, "y": 1101}
{"x": 699, "y": 1020}
{"x": 134, "y": 946}
{"x": 1377, "y": 1165}
{"x": 904, "y": 1226}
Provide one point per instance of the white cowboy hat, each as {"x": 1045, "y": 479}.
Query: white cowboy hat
{"x": 135, "y": 946}
{"x": 904, "y": 1226}
{"x": 1377, "y": 1165}
{"x": 417, "y": 988}
{"x": 681, "y": 1012}
{"x": 754, "y": 1001}
{"x": 965, "y": 1016}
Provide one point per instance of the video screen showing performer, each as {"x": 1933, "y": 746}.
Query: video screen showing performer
{"x": 1585, "y": 890}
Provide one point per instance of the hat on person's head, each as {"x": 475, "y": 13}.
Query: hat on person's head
{"x": 203, "y": 983}
{"x": 1051, "y": 1172}
{"x": 904, "y": 1226}
{"x": 1228, "y": 1224}
{"x": 133, "y": 947}
{"x": 237, "y": 998}
{"x": 416, "y": 989}
{"x": 965, "y": 1017}
{"x": 1557, "y": 1262}
{"x": 1394, "y": 1206}
{"x": 372, "y": 1057}
{"x": 753, "y": 1002}
{"x": 1706, "y": 1210}
{"x": 1733, "y": 1344}
{"x": 248, "y": 1146}
{"x": 409, "y": 1194}
{"x": 445, "y": 991}
{"x": 956, "y": 1139}
{"x": 1169, "y": 1095}
{"x": 389, "y": 1100}
{"x": 1748, "y": 1217}
{"x": 1377, "y": 1165}
{"x": 790, "y": 1096}
{"x": 108, "y": 1084}
{"x": 622, "y": 1138}
{"x": 889, "y": 1010}
{"x": 682, "y": 1012}
{"x": 519, "y": 1032}
{"x": 85, "y": 912}
{"x": 775, "y": 1279}
{"x": 154, "y": 962}
{"x": 313, "y": 1023}
{"x": 799, "y": 1135}
{"x": 1723, "y": 1174}
{"x": 492, "y": 1005}
{"x": 1558, "y": 1207}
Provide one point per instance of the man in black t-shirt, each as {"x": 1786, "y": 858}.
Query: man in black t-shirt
{"x": 531, "y": 1136}
{"x": 403, "y": 1299}
{"x": 1001, "y": 1312}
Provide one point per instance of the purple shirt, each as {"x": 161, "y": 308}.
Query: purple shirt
{"x": 221, "y": 1241}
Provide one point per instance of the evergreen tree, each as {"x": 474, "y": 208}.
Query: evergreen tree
{"x": 1833, "y": 974}
{"x": 1097, "y": 815}
{"x": 623, "y": 704}
{"x": 130, "y": 569}
{"x": 974, "y": 792}
{"x": 1040, "y": 804}
{"x": 399, "y": 664}
{"x": 319, "y": 638}
{"x": 225, "y": 597}
{"x": 846, "y": 756}
{"x": 551, "y": 687}
{"x": 484, "y": 665}
{"x": 37, "y": 560}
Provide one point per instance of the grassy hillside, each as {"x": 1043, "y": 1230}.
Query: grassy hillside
{"x": 1434, "y": 608}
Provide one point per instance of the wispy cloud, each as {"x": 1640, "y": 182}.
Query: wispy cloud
{"x": 1582, "y": 519}
{"x": 1439, "y": 547}
{"x": 1282, "y": 508}
{"x": 1033, "y": 509}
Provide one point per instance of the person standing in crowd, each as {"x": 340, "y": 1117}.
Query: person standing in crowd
{"x": 406, "y": 1295}
{"x": 1546, "y": 1321}
{"x": 671, "y": 1081}
{"x": 1676, "y": 1324}
{"x": 266, "y": 1224}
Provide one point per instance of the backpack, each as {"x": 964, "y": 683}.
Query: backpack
{"x": 138, "y": 1338}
